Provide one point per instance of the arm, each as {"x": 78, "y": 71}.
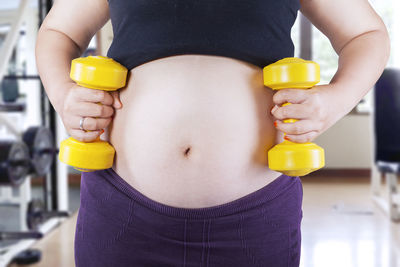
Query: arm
{"x": 360, "y": 38}
{"x": 63, "y": 36}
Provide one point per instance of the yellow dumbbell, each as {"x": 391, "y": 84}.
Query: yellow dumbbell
{"x": 293, "y": 159}
{"x": 99, "y": 73}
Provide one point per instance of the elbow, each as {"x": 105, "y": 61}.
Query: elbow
{"x": 377, "y": 39}
{"x": 382, "y": 41}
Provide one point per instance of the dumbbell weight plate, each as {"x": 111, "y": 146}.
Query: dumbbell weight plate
{"x": 28, "y": 256}
{"x": 34, "y": 214}
{"x": 41, "y": 149}
{"x": 14, "y": 162}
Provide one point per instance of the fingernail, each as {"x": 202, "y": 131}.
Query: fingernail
{"x": 286, "y": 138}
{"x": 102, "y": 131}
{"x": 273, "y": 108}
{"x": 275, "y": 123}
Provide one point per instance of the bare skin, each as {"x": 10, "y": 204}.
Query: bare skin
{"x": 193, "y": 130}
{"x": 194, "y": 142}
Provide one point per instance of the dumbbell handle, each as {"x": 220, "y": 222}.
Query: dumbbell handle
{"x": 288, "y": 120}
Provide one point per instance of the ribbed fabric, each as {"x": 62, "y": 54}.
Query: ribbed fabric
{"x": 119, "y": 226}
{"x": 254, "y": 31}
{"x": 267, "y": 193}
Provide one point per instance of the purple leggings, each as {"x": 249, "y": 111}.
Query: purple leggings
{"x": 119, "y": 226}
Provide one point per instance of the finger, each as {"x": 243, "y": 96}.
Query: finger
{"x": 295, "y": 96}
{"x": 117, "y": 101}
{"x": 293, "y": 111}
{"x": 298, "y": 127}
{"x": 93, "y": 95}
{"x": 89, "y": 123}
{"x": 84, "y": 136}
{"x": 86, "y": 109}
{"x": 302, "y": 138}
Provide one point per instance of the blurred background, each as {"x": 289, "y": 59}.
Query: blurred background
{"x": 351, "y": 208}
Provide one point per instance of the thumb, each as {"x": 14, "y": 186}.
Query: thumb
{"x": 117, "y": 101}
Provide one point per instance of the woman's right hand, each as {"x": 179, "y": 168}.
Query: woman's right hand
{"x": 83, "y": 102}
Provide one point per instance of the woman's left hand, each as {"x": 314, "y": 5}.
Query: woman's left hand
{"x": 314, "y": 110}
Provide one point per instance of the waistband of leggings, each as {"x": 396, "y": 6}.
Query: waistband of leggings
{"x": 258, "y": 197}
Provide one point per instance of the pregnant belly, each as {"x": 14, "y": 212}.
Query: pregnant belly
{"x": 194, "y": 130}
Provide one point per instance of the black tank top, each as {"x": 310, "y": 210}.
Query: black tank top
{"x": 255, "y": 31}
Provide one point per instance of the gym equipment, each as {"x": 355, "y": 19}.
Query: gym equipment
{"x": 20, "y": 235}
{"x": 386, "y": 116}
{"x": 36, "y": 214}
{"x": 39, "y": 140}
{"x": 28, "y": 256}
{"x": 14, "y": 162}
{"x": 290, "y": 158}
{"x": 9, "y": 90}
{"x": 21, "y": 77}
{"x": 12, "y": 107}
{"x": 33, "y": 156}
{"x": 101, "y": 73}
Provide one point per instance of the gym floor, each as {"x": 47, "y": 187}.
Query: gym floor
{"x": 341, "y": 227}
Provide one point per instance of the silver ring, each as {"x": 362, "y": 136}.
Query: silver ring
{"x": 81, "y": 123}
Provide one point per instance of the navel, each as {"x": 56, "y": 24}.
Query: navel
{"x": 187, "y": 152}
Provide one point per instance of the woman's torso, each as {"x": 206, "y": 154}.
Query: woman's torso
{"x": 194, "y": 130}
{"x": 196, "y": 85}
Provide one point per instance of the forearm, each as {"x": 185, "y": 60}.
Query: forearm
{"x": 361, "y": 62}
{"x": 54, "y": 52}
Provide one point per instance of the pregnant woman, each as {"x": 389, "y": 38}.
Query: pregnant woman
{"x": 190, "y": 184}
